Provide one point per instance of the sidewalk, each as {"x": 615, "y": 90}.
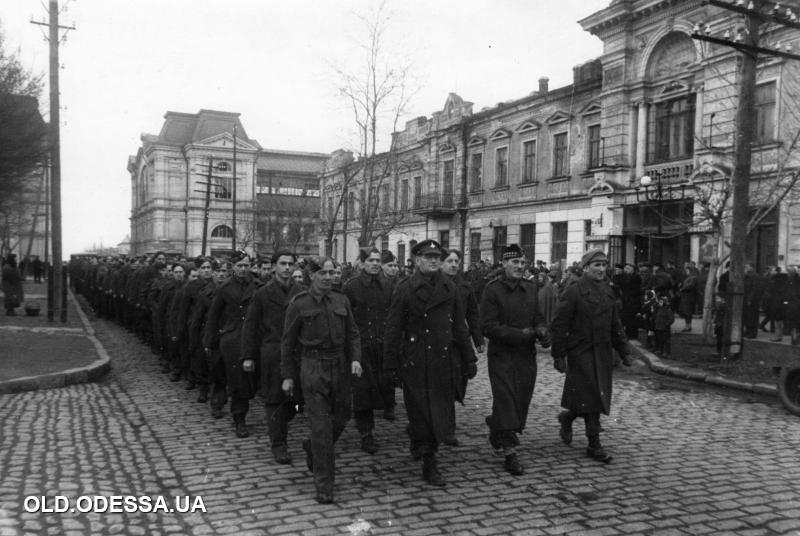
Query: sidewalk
{"x": 37, "y": 354}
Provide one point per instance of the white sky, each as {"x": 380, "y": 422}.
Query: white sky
{"x": 130, "y": 61}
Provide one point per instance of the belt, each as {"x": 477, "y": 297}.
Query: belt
{"x": 323, "y": 353}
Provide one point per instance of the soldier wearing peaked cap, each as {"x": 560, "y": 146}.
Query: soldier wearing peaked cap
{"x": 512, "y": 321}
{"x": 426, "y": 318}
{"x": 585, "y": 328}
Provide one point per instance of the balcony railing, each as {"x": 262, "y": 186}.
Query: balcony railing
{"x": 435, "y": 205}
{"x": 671, "y": 172}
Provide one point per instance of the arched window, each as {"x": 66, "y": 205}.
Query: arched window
{"x": 222, "y": 231}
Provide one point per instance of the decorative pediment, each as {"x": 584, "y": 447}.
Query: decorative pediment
{"x": 558, "y": 117}
{"x": 500, "y": 134}
{"x": 527, "y": 126}
{"x": 225, "y": 139}
{"x": 446, "y": 147}
{"x": 591, "y": 108}
{"x": 675, "y": 86}
{"x": 476, "y": 141}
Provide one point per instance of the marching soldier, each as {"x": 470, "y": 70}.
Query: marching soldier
{"x": 511, "y": 320}
{"x": 321, "y": 346}
{"x": 370, "y": 295}
{"x": 585, "y": 328}
{"x": 261, "y": 348}
{"x": 426, "y": 318}
{"x": 224, "y": 332}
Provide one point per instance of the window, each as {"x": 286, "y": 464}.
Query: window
{"x": 447, "y": 190}
{"x": 529, "y": 161}
{"x": 223, "y": 188}
{"x": 765, "y": 112}
{"x": 674, "y": 130}
{"x": 417, "y": 191}
{"x": 593, "y": 139}
{"x": 558, "y": 248}
{"x": 404, "y": 195}
{"x": 560, "y": 155}
{"x": 401, "y": 254}
{"x": 587, "y": 232}
{"x": 499, "y": 242}
{"x": 527, "y": 240}
{"x": 384, "y": 243}
{"x": 444, "y": 239}
{"x": 308, "y": 232}
{"x": 330, "y": 208}
{"x": 385, "y": 198}
{"x": 351, "y": 205}
{"x": 222, "y": 231}
{"x": 476, "y": 172}
{"x": 475, "y": 246}
{"x": 223, "y": 166}
{"x": 501, "y": 167}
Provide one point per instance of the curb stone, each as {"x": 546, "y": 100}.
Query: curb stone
{"x": 89, "y": 373}
{"x": 656, "y": 365}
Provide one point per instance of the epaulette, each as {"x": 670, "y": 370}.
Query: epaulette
{"x": 301, "y": 293}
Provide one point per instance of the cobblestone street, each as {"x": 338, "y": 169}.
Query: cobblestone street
{"x": 686, "y": 461}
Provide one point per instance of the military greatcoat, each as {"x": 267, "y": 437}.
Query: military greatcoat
{"x": 508, "y": 307}
{"x": 585, "y": 328}
{"x": 426, "y": 318}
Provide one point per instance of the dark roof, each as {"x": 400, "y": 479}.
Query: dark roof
{"x": 181, "y": 128}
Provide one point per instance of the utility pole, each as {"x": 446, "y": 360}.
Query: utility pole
{"x": 234, "y": 187}
{"x": 207, "y": 204}
{"x": 746, "y": 41}
{"x": 55, "y": 156}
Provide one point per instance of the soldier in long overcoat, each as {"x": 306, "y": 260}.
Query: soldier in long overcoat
{"x": 370, "y": 295}
{"x": 511, "y": 320}
{"x": 224, "y": 332}
{"x": 585, "y": 329}
{"x": 198, "y": 302}
{"x": 261, "y": 349}
{"x": 426, "y": 318}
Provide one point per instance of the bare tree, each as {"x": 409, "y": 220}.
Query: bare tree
{"x": 378, "y": 94}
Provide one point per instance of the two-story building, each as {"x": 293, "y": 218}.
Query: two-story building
{"x": 186, "y": 181}
{"x": 630, "y": 157}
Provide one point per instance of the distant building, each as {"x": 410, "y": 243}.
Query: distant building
{"x": 562, "y": 170}
{"x": 189, "y": 165}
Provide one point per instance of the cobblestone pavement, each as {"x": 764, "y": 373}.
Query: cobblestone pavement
{"x": 687, "y": 461}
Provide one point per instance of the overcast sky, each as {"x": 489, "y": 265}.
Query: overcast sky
{"x": 130, "y": 61}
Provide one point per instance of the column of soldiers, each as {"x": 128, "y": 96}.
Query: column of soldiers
{"x": 235, "y": 329}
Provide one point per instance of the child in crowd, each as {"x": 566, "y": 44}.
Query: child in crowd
{"x": 663, "y": 317}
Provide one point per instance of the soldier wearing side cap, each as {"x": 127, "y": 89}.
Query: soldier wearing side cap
{"x": 512, "y": 321}
{"x": 585, "y": 329}
{"x": 426, "y": 318}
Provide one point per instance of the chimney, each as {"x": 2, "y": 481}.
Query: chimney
{"x": 543, "y": 85}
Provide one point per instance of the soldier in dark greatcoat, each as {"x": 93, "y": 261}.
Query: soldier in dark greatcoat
{"x": 321, "y": 346}
{"x": 199, "y": 298}
{"x": 426, "y": 318}
{"x": 452, "y": 268}
{"x": 261, "y": 348}
{"x": 224, "y": 332}
{"x": 370, "y": 295}
{"x": 511, "y": 319}
{"x": 585, "y": 329}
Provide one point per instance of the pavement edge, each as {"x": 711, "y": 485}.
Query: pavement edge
{"x": 89, "y": 373}
{"x": 656, "y": 365}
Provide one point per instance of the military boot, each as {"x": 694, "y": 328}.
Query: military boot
{"x": 512, "y": 464}
{"x": 430, "y": 471}
{"x": 280, "y": 454}
{"x": 596, "y": 451}
{"x": 565, "y": 419}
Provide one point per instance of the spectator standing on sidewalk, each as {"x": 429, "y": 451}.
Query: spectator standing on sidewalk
{"x": 687, "y": 290}
{"x": 585, "y": 330}
{"x": 12, "y": 285}
{"x": 38, "y": 269}
{"x": 511, "y": 320}
{"x": 321, "y": 346}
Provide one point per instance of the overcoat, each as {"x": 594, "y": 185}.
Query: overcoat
{"x": 631, "y": 290}
{"x": 688, "y": 294}
{"x": 261, "y": 335}
{"x": 12, "y": 287}
{"x": 224, "y": 330}
{"x": 426, "y": 319}
{"x": 508, "y": 307}
{"x": 370, "y": 297}
{"x": 471, "y": 309}
{"x": 585, "y": 329}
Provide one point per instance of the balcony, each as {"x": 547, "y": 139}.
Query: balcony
{"x": 435, "y": 205}
{"x": 675, "y": 172}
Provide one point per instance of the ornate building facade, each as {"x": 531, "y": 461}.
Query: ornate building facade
{"x": 188, "y": 170}
{"x": 632, "y": 157}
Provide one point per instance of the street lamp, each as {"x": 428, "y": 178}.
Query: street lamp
{"x": 657, "y": 193}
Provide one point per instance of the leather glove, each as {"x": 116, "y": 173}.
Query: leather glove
{"x": 544, "y": 336}
{"x": 470, "y": 371}
{"x": 560, "y": 364}
{"x": 627, "y": 360}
